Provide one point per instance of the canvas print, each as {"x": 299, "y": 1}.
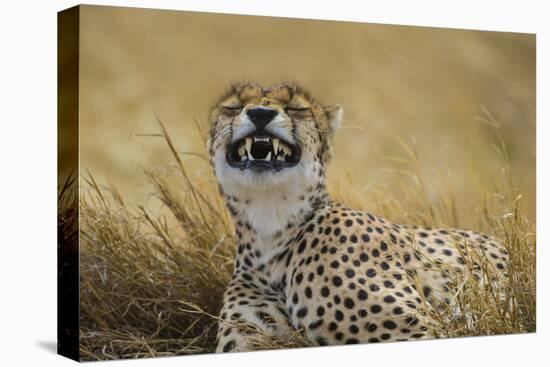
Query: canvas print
{"x": 234, "y": 183}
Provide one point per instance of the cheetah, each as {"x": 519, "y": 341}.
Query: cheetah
{"x": 305, "y": 262}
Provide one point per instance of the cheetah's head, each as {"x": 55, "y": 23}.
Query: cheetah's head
{"x": 262, "y": 138}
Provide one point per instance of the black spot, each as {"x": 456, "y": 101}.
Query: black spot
{"x": 336, "y": 280}
{"x": 364, "y": 257}
{"x": 397, "y": 311}
{"x": 299, "y": 278}
{"x": 371, "y": 273}
{"x": 320, "y": 270}
{"x": 320, "y": 311}
{"x": 228, "y": 346}
{"x": 332, "y": 326}
{"x": 350, "y": 273}
{"x": 447, "y": 252}
{"x": 308, "y": 293}
{"x": 334, "y": 264}
{"x": 353, "y": 329}
{"x": 427, "y": 290}
{"x": 365, "y": 237}
{"x": 411, "y": 320}
{"x": 315, "y": 324}
{"x": 348, "y": 223}
{"x": 343, "y": 239}
{"x": 390, "y": 325}
{"x": 338, "y": 315}
{"x": 315, "y": 242}
{"x": 389, "y": 299}
{"x": 385, "y": 336}
{"x": 325, "y": 292}
{"x": 362, "y": 295}
{"x": 375, "y": 253}
{"x": 302, "y": 312}
{"x": 375, "y": 308}
{"x": 383, "y": 246}
{"x": 348, "y": 303}
{"x": 302, "y": 246}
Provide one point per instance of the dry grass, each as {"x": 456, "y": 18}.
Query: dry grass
{"x": 152, "y": 289}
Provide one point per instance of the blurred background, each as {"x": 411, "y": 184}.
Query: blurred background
{"x": 443, "y": 91}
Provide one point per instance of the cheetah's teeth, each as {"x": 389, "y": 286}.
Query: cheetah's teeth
{"x": 268, "y": 157}
{"x": 276, "y": 145}
{"x": 248, "y": 142}
{"x": 264, "y": 139}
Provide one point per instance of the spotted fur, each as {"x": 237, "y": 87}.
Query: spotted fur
{"x": 307, "y": 263}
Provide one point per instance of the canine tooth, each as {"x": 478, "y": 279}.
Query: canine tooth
{"x": 242, "y": 151}
{"x": 268, "y": 157}
{"x": 250, "y": 157}
{"x": 248, "y": 142}
{"x": 280, "y": 158}
{"x": 276, "y": 145}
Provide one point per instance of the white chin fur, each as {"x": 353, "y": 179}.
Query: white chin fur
{"x": 269, "y": 193}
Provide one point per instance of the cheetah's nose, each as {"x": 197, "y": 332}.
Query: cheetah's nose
{"x": 260, "y": 117}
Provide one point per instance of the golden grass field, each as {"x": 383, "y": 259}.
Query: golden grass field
{"x": 439, "y": 129}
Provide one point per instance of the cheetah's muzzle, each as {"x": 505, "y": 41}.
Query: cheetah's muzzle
{"x": 261, "y": 152}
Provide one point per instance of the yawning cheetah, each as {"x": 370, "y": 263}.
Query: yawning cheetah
{"x": 305, "y": 262}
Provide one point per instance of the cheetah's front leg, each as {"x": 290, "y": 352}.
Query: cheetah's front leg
{"x": 250, "y": 312}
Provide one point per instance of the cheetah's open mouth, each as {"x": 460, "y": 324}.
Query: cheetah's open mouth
{"x": 262, "y": 152}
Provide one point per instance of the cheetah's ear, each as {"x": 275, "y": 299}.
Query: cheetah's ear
{"x": 335, "y": 114}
